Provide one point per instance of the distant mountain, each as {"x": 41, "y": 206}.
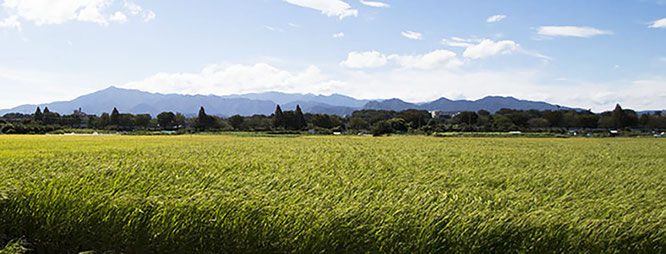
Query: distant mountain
{"x": 391, "y": 104}
{"x": 285, "y": 98}
{"x": 651, "y": 112}
{"x": 490, "y": 103}
{"x": 139, "y": 102}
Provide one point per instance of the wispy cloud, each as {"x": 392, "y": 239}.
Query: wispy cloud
{"x": 412, "y": 35}
{"x": 376, "y": 4}
{"x": 496, "y": 18}
{"x": 572, "y": 31}
{"x": 274, "y": 29}
{"x": 339, "y": 35}
{"x": 330, "y": 8}
{"x": 659, "y": 23}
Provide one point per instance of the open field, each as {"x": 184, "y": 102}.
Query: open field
{"x": 216, "y": 194}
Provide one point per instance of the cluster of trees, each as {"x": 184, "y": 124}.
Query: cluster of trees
{"x": 377, "y": 122}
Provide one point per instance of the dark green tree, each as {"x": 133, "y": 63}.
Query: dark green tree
{"x": 619, "y": 117}
{"x": 381, "y": 128}
{"x": 357, "y": 123}
{"x": 644, "y": 120}
{"x": 415, "y": 118}
{"x": 38, "y": 114}
{"x": 114, "y": 117}
{"x": 180, "y": 121}
{"x": 553, "y": 117}
{"x": 204, "y": 121}
{"x": 467, "y": 117}
{"x": 142, "y": 120}
{"x": 236, "y": 122}
{"x": 299, "y": 121}
{"x": 49, "y": 117}
{"x": 278, "y": 118}
{"x": 398, "y": 124}
{"x": 325, "y": 121}
{"x": 104, "y": 120}
{"x": 166, "y": 120}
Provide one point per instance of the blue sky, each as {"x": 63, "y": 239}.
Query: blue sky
{"x": 589, "y": 54}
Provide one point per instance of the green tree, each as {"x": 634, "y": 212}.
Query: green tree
{"x": 381, "y": 128}
{"x": 278, "y": 118}
{"x": 236, "y": 122}
{"x": 114, "y": 117}
{"x": 204, "y": 121}
{"x": 166, "y": 120}
{"x": 299, "y": 121}
{"x": 142, "y": 120}
{"x": 38, "y": 114}
{"x": 467, "y": 117}
{"x": 180, "y": 121}
{"x": 49, "y": 118}
{"x": 415, "y": 118}
{"x": 620, "y": 118}
{"x": 553, "y": 117}
{"x": 357, "y": 123}
{"x": 398, "y": 124}
{"x": 538, "y": 123}
{"x": 587, "y": 119}
{"x": 325, "y": 121}
{"x": 644, "y": 120}
{"x": 104, "y": 121}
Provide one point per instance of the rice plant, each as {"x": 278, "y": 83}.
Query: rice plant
{"x": 226, "y": 194}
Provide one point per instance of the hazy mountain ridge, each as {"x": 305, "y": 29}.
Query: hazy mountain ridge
{"x": 139, "y": 102}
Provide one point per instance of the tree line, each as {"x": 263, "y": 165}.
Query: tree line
{"x": 376, "y": 122}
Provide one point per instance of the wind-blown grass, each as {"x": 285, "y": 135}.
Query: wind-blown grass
{"x": 333, "y": 194}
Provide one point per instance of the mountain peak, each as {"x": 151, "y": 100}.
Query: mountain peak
{"x": 139, "y": 102}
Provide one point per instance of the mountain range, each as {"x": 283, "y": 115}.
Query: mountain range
{"x": 140, "y": 102}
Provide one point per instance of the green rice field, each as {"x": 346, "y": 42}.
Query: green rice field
{"x": 322, "y": 194}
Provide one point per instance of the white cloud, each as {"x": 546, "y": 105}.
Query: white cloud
{"x": 229, "y": 79}
{"x": 412, "y": 35}
{"x": 376, "y": 4}
{"x": 54, "y": 12}
{"x": 489, "y": 48}
{"x": 118, "y": 17}
{"x": 435, "y": 59}
{"x": 496, "y": 18}
{"x": 482, "y": 48}
{"x": 339, "y": 35}
{"x": 274, "y": 29}
{"x": 375, "y": 59}
{"x": 148, "y": 16}
{"x": 369, "y": 59}
{"x": 137, "y": 10}
{"x": 659, "y": 23}
{"x": 11, "y": 22}
{"x": 330, "y": 8}
{"x": 460, "y": 42}
{"x": 572, "y": 31}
